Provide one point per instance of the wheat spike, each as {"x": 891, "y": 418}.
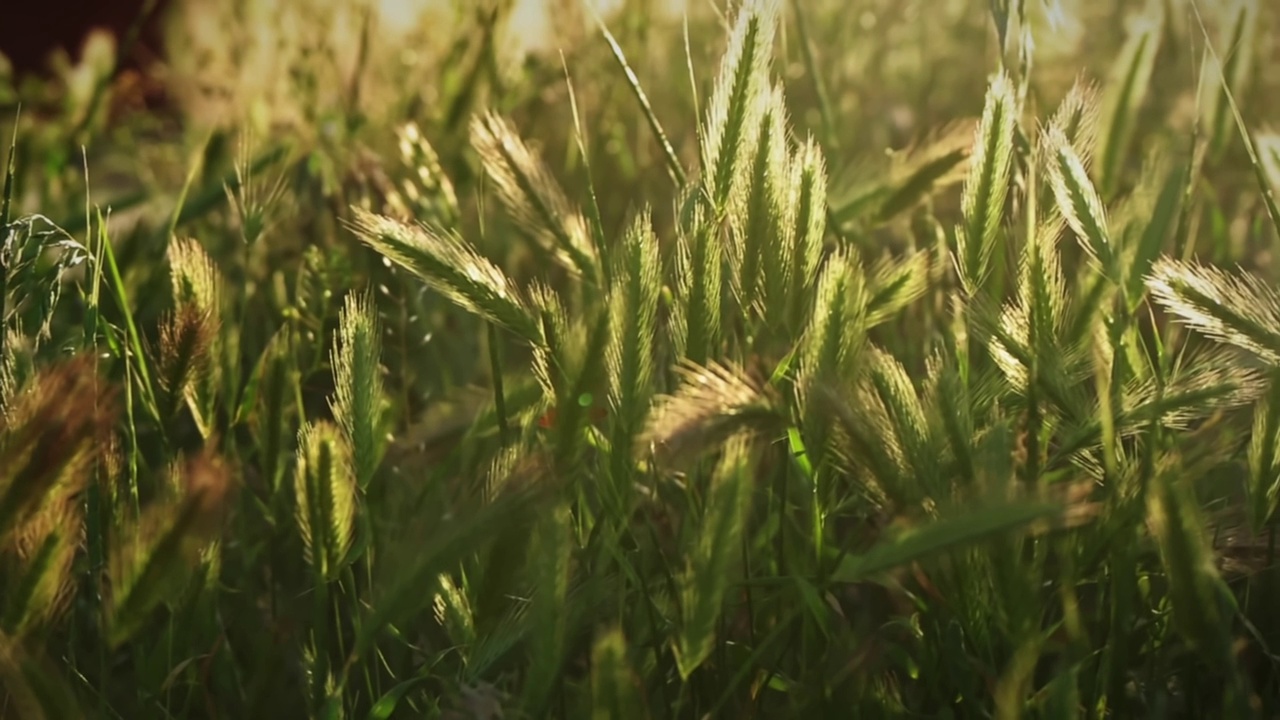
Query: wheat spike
{"x": 532, "y": 195}
{"x": 452, "y": 267}
{"x": 325, "y": 489}
{"x": 987, "y": 186}
{"x": 358, "y": 405}
{"x": 1240, "y": 310}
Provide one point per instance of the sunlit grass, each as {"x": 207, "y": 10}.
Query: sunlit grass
{"x": 640, "y": 358}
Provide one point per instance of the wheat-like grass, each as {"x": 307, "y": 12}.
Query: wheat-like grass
{"x": 1238, "y": 309}
{"x": 529, "y": 191}
{"x": 452, "y": 267}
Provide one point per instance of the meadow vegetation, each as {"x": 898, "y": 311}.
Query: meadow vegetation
{"x": 803, "y": 358}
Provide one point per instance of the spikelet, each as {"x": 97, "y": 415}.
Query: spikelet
{"x": 695, "y": 323}
{"x": 733, "y": 113}
{"x": 987, "y": 185}
{"x": 325, "y": 490}
{"x": 193, "y": 276}
{"x": 1078, "y": 200}
{"x": 358, "y": 405}
{"x": 808, "y": 185}
{"x": 190, "y": 342}
{"x": 711, "y": 564}
{"x": 633, "y": 309}
{"x": 758, "y": 250}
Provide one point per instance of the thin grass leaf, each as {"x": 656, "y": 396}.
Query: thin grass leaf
{"x": 1126, "y": 91}
{"x": 674, "y": 166}
{"x": 925, "y": 169}
{"x": 940, "y": 537}
{"x": 453, "y": 268}
{"x": 1239, "y": 309}
{"x": 710, "y": 570}
{"x": 532, "y": 195}
{"x": 359, "y": 404}
{"x": 1237, "y": 46}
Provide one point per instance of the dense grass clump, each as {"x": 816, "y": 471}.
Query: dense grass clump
{"x": 809, "y": 359}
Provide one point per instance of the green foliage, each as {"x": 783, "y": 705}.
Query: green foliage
{"x": 714, "y": 366}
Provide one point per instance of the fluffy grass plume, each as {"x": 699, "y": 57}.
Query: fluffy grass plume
{"x": 532, "y": 195}
{"x": 1077, "y": 198}
{"x": 1237, "y": 309}
{"x": 325, "y": 492}
{"x": 733, "y": 114}
{"x": 699, "y": 261}
{"x": 359, "y": 402}
{"x": 633, "y": 309}
{"x": 428, "y": 188}
{"x": 758, "y": 251}
{"x": 452, "y": 267}
{"x": 711, "y": 404}
{"x": 987, "y": 186}
{"x": 808, "y": 188}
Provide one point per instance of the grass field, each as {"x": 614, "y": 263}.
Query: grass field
{"x": 759, "y": 359}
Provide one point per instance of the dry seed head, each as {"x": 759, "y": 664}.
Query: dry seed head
{"x": 1078, "y": 117}
{"x": 429, "y": 180}
{"x": 51, "y": 432}
{"x": 808, "y": 201}
{"x": 186, "y": 338}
